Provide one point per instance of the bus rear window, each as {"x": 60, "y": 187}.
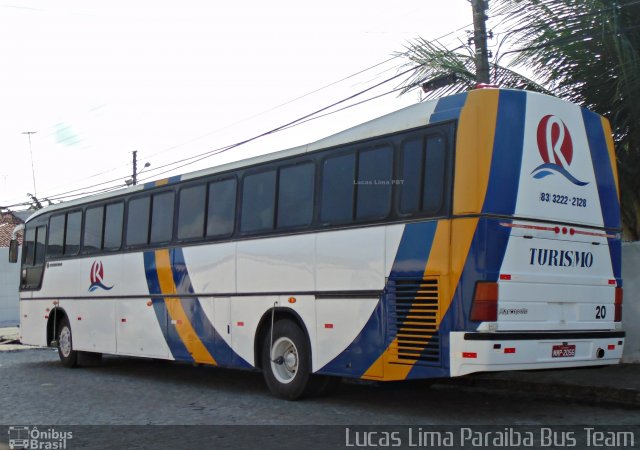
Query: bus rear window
{"x": 423, "y": 170}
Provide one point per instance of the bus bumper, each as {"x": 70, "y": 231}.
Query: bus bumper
{"x": 488, "y": 352}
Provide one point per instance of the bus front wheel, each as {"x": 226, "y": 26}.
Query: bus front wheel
{"x": 286, "y": 362}
{"x": 67, "y": 354}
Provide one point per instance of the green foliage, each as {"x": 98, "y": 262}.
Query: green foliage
{"x": 585, "y": 51}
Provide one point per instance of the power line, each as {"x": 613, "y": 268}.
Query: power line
{"x": 282, "y": 127}
{"x": 196, "y": 158}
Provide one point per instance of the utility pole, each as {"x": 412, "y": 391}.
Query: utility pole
{"x": 33, "y": 172}
{"x": 480, "y": 40}
{"x": 135, "y": 167}
{"x": 134, "y": 176}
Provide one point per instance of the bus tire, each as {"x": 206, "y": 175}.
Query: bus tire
{"x": 68, "y": 356}
{"x": 286, "y": 365}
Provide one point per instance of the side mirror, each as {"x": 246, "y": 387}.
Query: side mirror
{"x": 13, "y": 251}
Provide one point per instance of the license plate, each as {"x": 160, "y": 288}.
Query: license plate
{"x": 563, "y": 351}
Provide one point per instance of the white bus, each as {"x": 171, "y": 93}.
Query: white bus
{"x": 478, "y": 232}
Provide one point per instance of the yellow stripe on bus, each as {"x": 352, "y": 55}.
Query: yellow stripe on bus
{"x": 606, "y": 126}
{"x": 474, "y": 150}
{"x": 437, "y": 264}
{"x": 176, "y": 312}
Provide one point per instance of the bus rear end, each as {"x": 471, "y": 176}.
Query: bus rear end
{"x": 537, "y": 204}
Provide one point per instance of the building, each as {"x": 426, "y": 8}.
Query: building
{"x": 9, "y": 273}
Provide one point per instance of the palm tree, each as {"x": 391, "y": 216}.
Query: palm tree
{"x": 585, "y": 51}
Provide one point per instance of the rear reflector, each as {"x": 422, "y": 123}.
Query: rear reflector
{"x": 485, "y": 302}
{"x": 505, "y": 276}
{"x": 510, "y": 350}
{"x": 618, "y": 305}
{"x": 469, "y": 355}
{"x": 611, "y": 347}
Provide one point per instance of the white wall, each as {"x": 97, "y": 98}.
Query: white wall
{"x": 9, "y": 278}
{"x": 631, "y": 302}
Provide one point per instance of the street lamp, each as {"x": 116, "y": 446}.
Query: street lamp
{"x": 33, "y": 172}
{"x": 134, "y": 179}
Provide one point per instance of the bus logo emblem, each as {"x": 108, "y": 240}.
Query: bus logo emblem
{"x": 556, "y": 149}
{"x": 97, "y": 276}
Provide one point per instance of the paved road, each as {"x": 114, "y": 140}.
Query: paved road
{"x": 35, "y": 389}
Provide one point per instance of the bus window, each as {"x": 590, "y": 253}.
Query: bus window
{"x": 113, "y": 226}
{"x": 258, "y": 201}
{"x": 423, "y": 170}
{"x": 221, "y": 210}
{"x": 28, "y": 255}
{"x": 338, "y": 181}
{"x": 295, "y": 195}
{"x": 411, "y": 176}
{"x": 41, "y": 239}
{"x": 162, "y": 217}
{"x": 72, "y": 233}
{"x": 191, "y": 212}
{"x": 434, "y": 169}
{"x": 138, "y": 221}
{"x": 93, "y": 222}
{"x": 56, "y": 235}
{"x": 375, "y": 173}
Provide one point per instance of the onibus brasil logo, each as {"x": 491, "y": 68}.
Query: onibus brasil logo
{"x": 556, "y": 148}
{"x": 97, "y": 276}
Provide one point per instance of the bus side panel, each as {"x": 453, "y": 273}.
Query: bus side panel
{"x": 34, "y": 315}
{"x": 92, "y": 324}
{"x": 402, "y": 332}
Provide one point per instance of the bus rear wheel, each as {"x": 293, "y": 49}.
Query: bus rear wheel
{"x": 68, "y": 356}
{"x": 286, "y": 362}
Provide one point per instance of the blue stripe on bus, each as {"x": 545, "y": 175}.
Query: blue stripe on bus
{"x": 502, "y": 192}
{"x": 448, "y": 108}
{"x": 489, "y": 240}
{"x": 413, "y": 251}
{"x": 603, "y": 170}
{"x": 176, "y": 346}
{"x": 205, "y": 330}
{"x": 411, "y": 260}
{"x": 606, "y": 183}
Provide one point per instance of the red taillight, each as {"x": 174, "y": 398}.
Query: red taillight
{"x": 485, "y": 302}
{"x": 618, "y": 305}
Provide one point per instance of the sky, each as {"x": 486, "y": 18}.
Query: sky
{"x": 97, "y": 80}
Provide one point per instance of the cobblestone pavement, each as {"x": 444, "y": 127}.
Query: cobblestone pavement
{"x": 35, "y": 389}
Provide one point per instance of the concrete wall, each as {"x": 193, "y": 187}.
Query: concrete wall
{"x": 9, "y": 280}
{"x": 631, "y": 302}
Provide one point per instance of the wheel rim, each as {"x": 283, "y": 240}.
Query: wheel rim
{"x": 286, "y": 371}
{"x": 65, "y": 342}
